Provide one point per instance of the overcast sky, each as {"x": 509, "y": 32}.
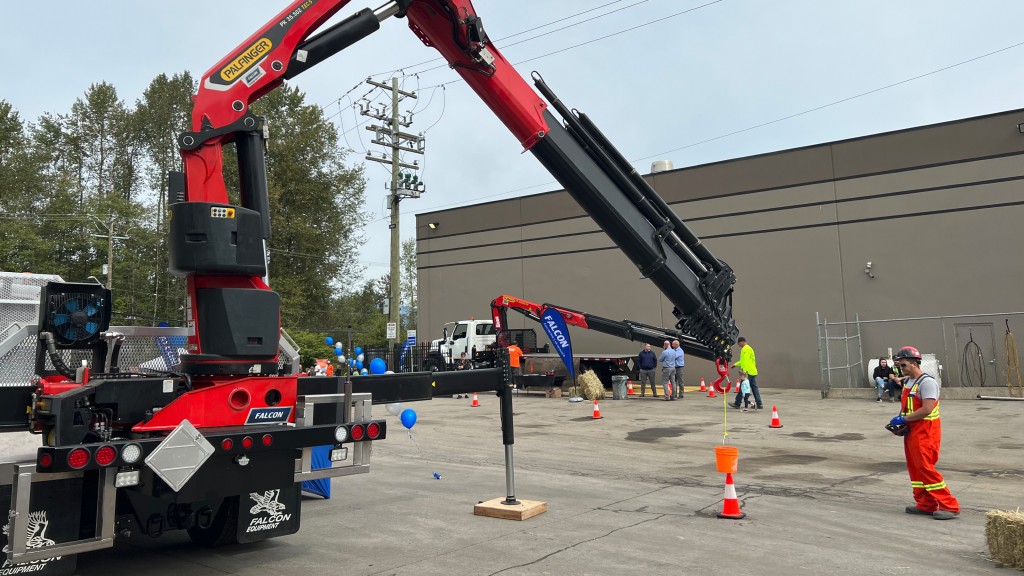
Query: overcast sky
{"x": 696, "y": 81}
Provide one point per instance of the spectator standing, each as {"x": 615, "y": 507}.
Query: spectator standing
{"x": 647, "y": 362}
{"x": 922, "y": 438}
{"x": 668, "y": 368}
{"x": 677, "y": 390}
{"x": 515, "y": 354}
{"x": 885, "y": 378}
{"x": 748, "y": 364}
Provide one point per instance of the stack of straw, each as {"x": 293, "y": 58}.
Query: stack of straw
{"x": 1004, "y": 532}
{"x": 590, "y": 385}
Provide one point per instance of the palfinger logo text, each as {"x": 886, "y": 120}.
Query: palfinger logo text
{"x": 246, "y": 59}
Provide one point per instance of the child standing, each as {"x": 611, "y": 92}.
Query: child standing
{"x": 745, "y": 390}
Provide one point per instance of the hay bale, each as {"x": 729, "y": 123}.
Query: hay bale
{"x": 1004, "y": 532}
{"x": 590, "y": 385}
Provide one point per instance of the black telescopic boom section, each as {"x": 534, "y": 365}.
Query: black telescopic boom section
{"x": 333, "y": 40}
{"x": 652, "y": 335}
{"x": 621, "y": 179}
{"x": 691, "y": 240}
{"x": 252, "y": 175}
{"x": 633, "y": 223}
{"x": 620, "y": 218}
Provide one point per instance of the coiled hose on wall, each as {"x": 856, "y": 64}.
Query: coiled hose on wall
{"x": 972, "y": 365}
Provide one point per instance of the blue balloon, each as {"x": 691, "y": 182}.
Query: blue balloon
{"x": 408, "y": 418}
{"x": 359, "y": 365}
{"x": 378, "y": 366}
{"x": 363, "y": 372}
{"x": 329, "y": 340}
{"x": 359, "y": 350}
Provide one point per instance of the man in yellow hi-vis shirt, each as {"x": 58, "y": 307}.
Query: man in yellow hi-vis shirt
{"x": 748, "y": 364}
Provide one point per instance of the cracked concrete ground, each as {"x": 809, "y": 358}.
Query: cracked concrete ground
{"x": 637, "y": 491}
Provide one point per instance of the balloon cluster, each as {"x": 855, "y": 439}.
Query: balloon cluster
{"x": 358, "y": 364}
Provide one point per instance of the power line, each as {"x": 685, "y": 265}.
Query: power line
{"x": 605, "y": 37}
{"x": 840, "y": 101}
{"x": 524, "y": 32}
{"x": 760, "y": 125}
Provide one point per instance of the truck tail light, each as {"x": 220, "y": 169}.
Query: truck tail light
{"x": 106, "y": 455}
{"x": 373, "y": 430}
{"x": 45, "y": 460}
{"x": 358, "y": 432}
{"x": 227, "y": 444}
{"x": 340, "y": 434}
{"x": 268, "y": 440}
{"x": 247, "y": 442}
{"x": 78, "y": 458}
{"x": 131, "y": 453}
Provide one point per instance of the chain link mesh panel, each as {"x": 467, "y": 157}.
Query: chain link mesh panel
{"x": 19, "y": 300}
{"x": 139, "y": 352}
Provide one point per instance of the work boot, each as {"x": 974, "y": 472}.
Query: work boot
{"x": 945, "y": 515}
{"x": 916, "y": 510}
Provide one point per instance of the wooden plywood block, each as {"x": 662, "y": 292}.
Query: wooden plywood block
{"x": 496, "y": 509}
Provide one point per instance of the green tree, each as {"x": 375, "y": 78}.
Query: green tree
{"x": 316, "y": 208}
{"x": 163, "y": 112}
{"x": 98, "y": 123}
{"x": 409, "y": 283}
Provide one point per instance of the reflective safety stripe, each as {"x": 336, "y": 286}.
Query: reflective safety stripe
{"x": 938, "y": 486}
{"x": 914, "y": 484}
{"x": 934, "y": 415}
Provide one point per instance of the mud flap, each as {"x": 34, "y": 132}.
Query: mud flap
{"x": 269, "y": 514}
{"x": 51, "y": 521}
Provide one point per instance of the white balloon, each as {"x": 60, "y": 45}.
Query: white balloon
{"x": 389, "y": 371}
{"x": 342, "y": 358}
{"x": 394, "y": 408}
{"x": 360, "y": 358}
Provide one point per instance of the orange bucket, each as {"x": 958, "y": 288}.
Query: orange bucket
{"x": 726, "y": 458}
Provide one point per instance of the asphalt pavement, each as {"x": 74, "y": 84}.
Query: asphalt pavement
{"x": 637, "y": 491}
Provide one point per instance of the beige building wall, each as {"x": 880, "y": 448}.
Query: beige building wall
{"x": 936, "y": 210}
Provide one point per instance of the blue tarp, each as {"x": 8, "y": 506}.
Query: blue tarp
{"x": 321, "y": 460}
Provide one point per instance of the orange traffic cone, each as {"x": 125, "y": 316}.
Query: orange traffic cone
{"x": 597, "y": 410}
{"x": 776, "y": 423}
{"x": 629, "y": 387}
{"x": 711, "y": 391}
{"x": 476, "y": 401}
{"x": 731, "y": 504}
{"x": 703, "y": 387}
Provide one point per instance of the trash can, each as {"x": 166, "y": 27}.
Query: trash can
{"x": 619, "y": 387}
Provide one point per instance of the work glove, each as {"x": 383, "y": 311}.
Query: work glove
{"x": 898, "y": 420}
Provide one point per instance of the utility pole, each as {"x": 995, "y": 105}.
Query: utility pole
{"x": 403, "y": 185}
{"x": 109, "y": 225}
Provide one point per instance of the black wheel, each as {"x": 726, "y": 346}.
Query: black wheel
{"x": 224, "y": 528}
{"x": 432, "y": 365}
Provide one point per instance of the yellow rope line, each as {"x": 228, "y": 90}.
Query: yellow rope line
{"x": 725, "y": 410}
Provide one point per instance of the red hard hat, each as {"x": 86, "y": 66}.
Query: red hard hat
{"x": 908, "y": 352}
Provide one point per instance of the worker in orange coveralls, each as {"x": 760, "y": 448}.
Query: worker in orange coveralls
{"x": 918, "y": 422}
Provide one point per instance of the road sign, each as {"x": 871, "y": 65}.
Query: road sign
{"x": 392, "y": 330}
